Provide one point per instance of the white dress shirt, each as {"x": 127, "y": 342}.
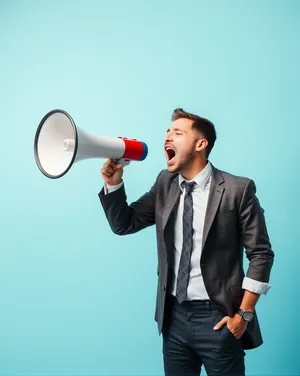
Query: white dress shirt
{"x": 196, "y": 288}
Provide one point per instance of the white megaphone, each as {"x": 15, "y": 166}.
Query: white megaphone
{"x": 59, "y": 143}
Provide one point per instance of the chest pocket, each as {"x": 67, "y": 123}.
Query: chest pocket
{"x": 227, "y": 212}
{"x": 226, "y": 222}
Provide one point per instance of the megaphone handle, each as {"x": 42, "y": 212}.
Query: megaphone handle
{"x": 123, "y": 161}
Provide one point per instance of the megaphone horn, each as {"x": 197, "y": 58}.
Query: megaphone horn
{"x": 59, "y": 143}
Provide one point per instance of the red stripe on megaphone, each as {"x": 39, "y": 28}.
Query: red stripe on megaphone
{"x": 134, "y": 149}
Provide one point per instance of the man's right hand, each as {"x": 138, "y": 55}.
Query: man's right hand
{"x": 112, "y": 172}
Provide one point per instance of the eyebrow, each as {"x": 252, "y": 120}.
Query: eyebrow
{"x": 176, "y": 129}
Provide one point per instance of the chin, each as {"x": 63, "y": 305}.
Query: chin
{"x": 172, "y": 168}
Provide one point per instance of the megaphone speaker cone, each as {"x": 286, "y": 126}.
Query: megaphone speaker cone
{"x": 55, "y": 130}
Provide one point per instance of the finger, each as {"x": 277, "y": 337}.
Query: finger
{"x": 235, "y": 330}
{"x": 118, "y": 167}
{"x": 236, "y": 334}
{"x": 111, "y": 162}
{"x": 239, "y": 333}
{"x": 105, "y": 172}
{"x": 111, "y": 169}
{"x": 108, "y": 168}
{"x": 221, "y": 323}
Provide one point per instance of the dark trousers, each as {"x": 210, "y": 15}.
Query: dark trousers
{"x": 189, "y": 341}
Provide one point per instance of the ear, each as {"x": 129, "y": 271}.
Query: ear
{"x": 201, "y": 144}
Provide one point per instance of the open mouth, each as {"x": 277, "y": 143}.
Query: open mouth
{"x": 170, "y": 153}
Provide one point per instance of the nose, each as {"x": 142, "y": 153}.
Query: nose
{"x": 168, "y": 137}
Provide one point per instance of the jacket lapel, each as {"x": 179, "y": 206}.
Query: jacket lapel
{"x": 214, "y": 198}
{"x": 172, "y": 201}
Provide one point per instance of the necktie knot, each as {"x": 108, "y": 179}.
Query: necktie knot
{"x": 188, "y": 186}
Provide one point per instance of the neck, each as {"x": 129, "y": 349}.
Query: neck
{"x": 190, "y": 172}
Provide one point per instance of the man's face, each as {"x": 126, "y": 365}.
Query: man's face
{"x": 181, "y": 145}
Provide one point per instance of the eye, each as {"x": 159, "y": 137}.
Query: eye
{"x": 178, "y": 134}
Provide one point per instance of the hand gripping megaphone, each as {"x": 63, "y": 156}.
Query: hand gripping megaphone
{"x": 59, "y": 143}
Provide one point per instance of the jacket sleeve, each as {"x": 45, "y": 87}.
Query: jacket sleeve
{"x": 255, "y": 236}
{"x": 125, "y": 219}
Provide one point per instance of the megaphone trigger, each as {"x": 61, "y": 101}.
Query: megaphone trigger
{"x": 123, "y": 161}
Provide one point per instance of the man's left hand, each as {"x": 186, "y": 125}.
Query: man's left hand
{"x": 235, "y": 324}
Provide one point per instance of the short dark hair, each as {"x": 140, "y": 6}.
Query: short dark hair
{"x": 201, "y": 124}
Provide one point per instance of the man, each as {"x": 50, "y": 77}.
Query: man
{"x": 204, "y": 218}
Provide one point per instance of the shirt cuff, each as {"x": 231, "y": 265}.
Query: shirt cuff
{"x": 111, "y": 188}
{"x": 257, "y": 287}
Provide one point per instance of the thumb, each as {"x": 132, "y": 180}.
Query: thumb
{"x": 119, "y": 167}
{"x": 221, "y": 323}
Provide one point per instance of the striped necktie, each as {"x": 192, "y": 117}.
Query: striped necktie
{"x": 187, "y": 246}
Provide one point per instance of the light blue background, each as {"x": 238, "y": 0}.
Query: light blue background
{"x": 76, "y": 299}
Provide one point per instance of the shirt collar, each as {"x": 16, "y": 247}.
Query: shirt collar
{"x": 200, "y": 179}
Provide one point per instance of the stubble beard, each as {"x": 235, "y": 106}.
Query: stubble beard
{"x": 184, "y": 165}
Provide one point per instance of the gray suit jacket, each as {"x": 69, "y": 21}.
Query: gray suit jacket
{"x": 234, "y": 221}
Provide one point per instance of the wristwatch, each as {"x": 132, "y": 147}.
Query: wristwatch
{"x": 245, "y": 315}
